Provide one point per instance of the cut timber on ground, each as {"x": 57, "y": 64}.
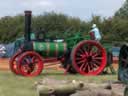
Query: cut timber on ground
{"x": 52, "y": 87}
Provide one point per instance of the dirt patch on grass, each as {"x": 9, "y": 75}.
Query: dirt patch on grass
{"x": 4, "y": 63}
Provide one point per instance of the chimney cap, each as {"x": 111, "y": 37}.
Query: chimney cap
{"x": 27, "y": 12}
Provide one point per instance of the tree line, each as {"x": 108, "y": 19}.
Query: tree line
{"x": 114, "y": 28}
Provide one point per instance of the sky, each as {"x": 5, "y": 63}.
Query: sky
{"x": 83, "y": 9}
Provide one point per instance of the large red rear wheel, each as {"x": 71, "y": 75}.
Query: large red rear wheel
{"x": 13, "y": 62}
{"x": 30, "y": 64}
{"x": 89, "y": 58}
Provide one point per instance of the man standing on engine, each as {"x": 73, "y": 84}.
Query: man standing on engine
{"x": 95, "y": 33}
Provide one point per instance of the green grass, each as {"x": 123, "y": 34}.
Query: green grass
{"x": 12, "y": 85}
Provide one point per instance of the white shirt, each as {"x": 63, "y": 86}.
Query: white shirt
{"x": 96, "y": 33}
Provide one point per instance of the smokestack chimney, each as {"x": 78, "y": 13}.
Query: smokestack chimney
{"x": 27, "y": 25}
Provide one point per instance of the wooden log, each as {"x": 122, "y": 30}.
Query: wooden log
{"x": 94, "y": 85}
{"x": 57, "y": 90}
{"x": 114, "y": 89}
{"x": 118, "y": 89}
{"x": 93, "y": 92}
{"x": 57, "y": 87}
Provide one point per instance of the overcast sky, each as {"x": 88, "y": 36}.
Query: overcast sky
{"x": 78, "y": 8}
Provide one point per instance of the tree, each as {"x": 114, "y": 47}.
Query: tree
{"x": 123, "y": 11}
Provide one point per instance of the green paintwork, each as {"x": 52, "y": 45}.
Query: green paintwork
{"x": 49, "y": 49}
{"x": 70, "y": 42}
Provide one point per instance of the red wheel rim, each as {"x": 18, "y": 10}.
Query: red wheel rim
{"x": 89, "y": 58}
{"x": 13, "y": 63}
{"x": 30, "y": 64}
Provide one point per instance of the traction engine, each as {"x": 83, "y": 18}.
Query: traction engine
{"x": 78, "y": 54}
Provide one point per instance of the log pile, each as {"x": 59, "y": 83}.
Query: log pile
{"x": 52, "y": 87}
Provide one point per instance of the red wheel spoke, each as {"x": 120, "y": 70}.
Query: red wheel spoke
{"x": 98, "y": 58}
{"x": 25, "y": 67}
{"x": 91, "y": 53}
{"x": 98, "y": 52}
{"x": 86, "y": 53}
{"x": 84, "y": 50}
{"x": 91, "y": 66}
{"x": 34, "y": 60}
{"x": 79, "y": 58}
{"x": 88, "y": 68}
{"x": 84, "y": 66}
{"x": 95, "y": 54}
{"x": 81, "y": 51}
{"x": 81, "y": 61}
{"x": 27, "y": 61}
{"x": 89, "y": 48}
{"x": 97, "y": 62}
{"x": 95, "y": 65}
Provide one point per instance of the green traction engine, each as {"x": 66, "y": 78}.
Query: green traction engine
{"x": 78, "y": 54}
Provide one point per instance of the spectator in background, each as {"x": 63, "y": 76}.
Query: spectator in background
{"x": 7, "y": 50}
{"x": 2, "y": 50}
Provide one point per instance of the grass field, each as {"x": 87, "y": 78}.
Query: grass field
{"x": 12, "y": 85}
